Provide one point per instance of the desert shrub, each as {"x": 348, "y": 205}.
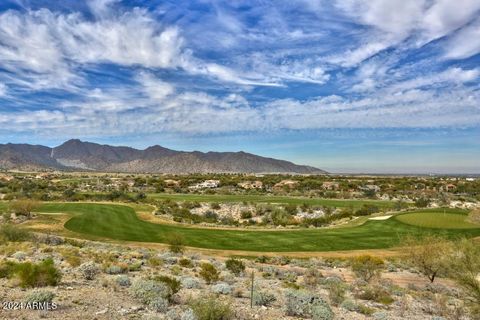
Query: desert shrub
{"x": 246, "y": 214}
{"x": 24, "y": 207}
{"x": 154, "y": 262}
{"x": 159, "y": 304}
{"x": 235, "y": 266}
{"x": 349, "y": 305}
{"x": 215, "y": 206}
{"x": 209, "y": 273}
{"x": 222, "y": 288}
{"x": 10, "y": 232}
{"x": 430, "y": 255}
{"x": 39, "y": 296}
{"x": 89, "y": 270}
{"x": 464, "y": 269}
{"x": 185, "y": 263}
{"x": 136, "y": 266}
{"x": 188, "y": 315}
{"x": 322, "y": 312}
{"x": 123, "y": 280}
{"x": 363, "y": 309}
{"x": 172, "y": 283}
{"x": 176, "y": 243}
{"x": 152, "y": 293}
{"x": 302, "y": 303}
{"x": 377, "y": 294}
{"x": 263, "y": 298}
{"x": 336, "y": 293}
{"x": 36, "y": 275}
{"x": 211, "y": 308}
{"x": 367, "y": 267}
{"x": 190, "y": 283}
{"x": 312, "y": 277}
{"x": 19, "y": 255}
{"x": 116, "y": 269}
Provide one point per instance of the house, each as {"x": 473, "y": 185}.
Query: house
{"x": 251, "y": 184}
{"x": 330, "y": 185}
{"x": 210, "y": 184}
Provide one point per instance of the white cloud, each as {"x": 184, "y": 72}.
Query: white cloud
{"x": 465, "y": 43}
{"x": 156, "y": 89}
{"x": 3, "y": 89}
{"x": 395, "y": 21}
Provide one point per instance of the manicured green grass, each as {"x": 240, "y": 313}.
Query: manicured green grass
{"x": 437, "y": 218}
{"x": 121, "y": 223}
{"x": 269, "y": 199}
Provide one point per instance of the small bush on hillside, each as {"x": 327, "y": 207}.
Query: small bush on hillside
{"x": 377, "y": 294}
{"x": 152, "y": 293}
{"x": 116, "y": 269}
{"x": 336, "y": 293}
{"x": 322, "y": 312}
{"x": 155, "y": 262}
{"x": 185, "y": 263}
{"x": 222, "y": 288}
{"x": 263, "y": 298}
{"x": 123, "y": 281}
{"x": 172, "y": 283}
{"x": 211, "y": 308}
{"x": 312, "y": 277}
{"x": 235, "y": 266}
{"x": 367, "y": 267}
{"x": 246, "y": 214}
{"x": 215, "y": 206}
{"x": 35, "y": 275}
{"x": 10, "y": 232}
{"x": 24, "y": 207}
{"x": 190, "y": 283}
{"x": 209, "y": 273}
{"x": 39, "y": 296}
{"x": 89, "y": 270}
{"x": 176, "y": 243}
{"x": 302, "y": 303}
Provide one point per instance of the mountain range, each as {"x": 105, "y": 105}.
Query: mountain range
{"x": 87, "y": 156}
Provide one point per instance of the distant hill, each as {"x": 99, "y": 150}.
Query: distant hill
{"x": 78, "y": 155}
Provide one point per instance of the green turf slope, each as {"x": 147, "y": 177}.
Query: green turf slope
{"x": 121, "y": 223}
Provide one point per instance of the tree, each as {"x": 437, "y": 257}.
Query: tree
{"x": 24, "y": 207}
{"x": 366, "y": 267}
{"x": 429, "y": 254}
{"x": 465, "y": 270}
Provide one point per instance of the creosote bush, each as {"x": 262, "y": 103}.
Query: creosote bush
{"x": 235, "y": 266}
{"x": 176, "y": 243}
{"x": 263, "y": 298}
{"x": 39, "y": 296}
{"x": 209, "y": 273}
{"x": 367, "y": 267}
{"x": 152, "y": 293}
{"x": 10, "y": 232}
{"x": 32, "y": 275}
{"x": 305, "y": 304}
{"x": 211, "y": 308}
{"x": 89, "y": 270}
{"x": 172, "y": 283}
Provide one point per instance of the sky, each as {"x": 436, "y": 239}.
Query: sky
{"x": 379, "y": 86}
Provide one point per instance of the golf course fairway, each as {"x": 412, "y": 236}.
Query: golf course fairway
{"x": 120, "y": 222}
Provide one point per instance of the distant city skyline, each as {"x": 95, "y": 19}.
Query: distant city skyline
{"x": 352, "y": 86}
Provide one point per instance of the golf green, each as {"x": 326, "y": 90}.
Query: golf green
{"x": 120, "y": 222}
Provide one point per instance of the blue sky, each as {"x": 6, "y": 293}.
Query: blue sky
{"x": 348, "y": 86}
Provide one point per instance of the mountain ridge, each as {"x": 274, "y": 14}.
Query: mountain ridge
{"x": 75, "y": 154}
